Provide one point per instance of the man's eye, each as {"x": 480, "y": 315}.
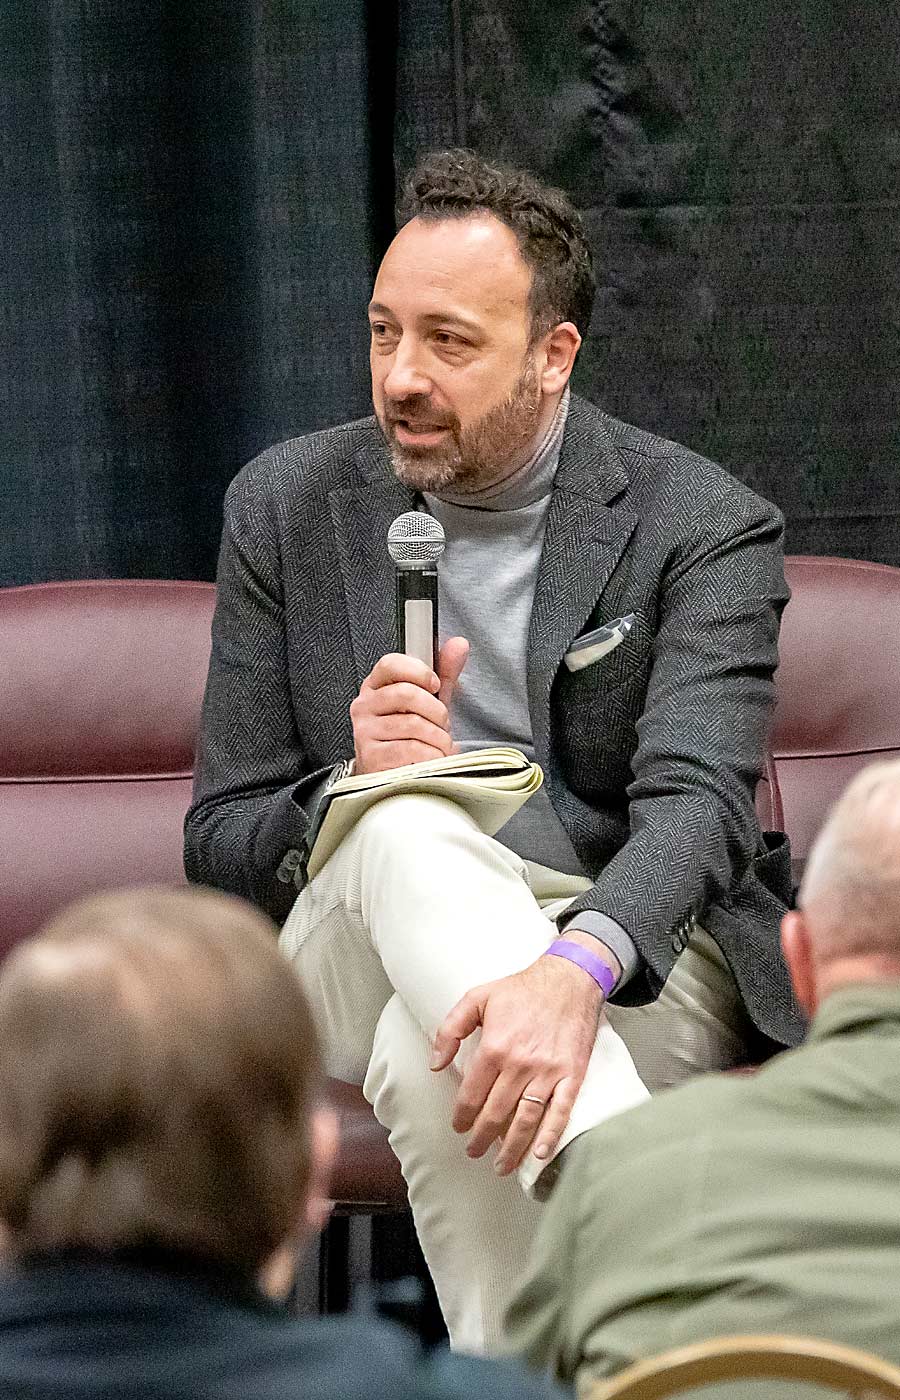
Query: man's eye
{"x": 378, "y": 329}
{"x": 447, "y": 338}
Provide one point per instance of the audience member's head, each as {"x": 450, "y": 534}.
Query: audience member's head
{"x": 847, "y": 928}
{"x": 158, "y": 1076}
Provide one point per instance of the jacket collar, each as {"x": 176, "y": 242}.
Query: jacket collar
{"x": 871, "y": 1006}
{"x": 130, "y": 1275}
{"x": 590, "y": 464}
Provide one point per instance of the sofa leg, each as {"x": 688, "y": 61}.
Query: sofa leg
{"x": 345, "y": 1261}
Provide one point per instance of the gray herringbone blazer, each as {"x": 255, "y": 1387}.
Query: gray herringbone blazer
{"x": 651, "y": 755}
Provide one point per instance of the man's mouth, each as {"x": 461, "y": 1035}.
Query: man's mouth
{"x": 419, "y": 425}
{"x": 418, "y": 430}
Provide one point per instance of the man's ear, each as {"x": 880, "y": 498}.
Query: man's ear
{"x": 277, "y": 1274}
{"x": 323, "y": 1140}
{"x": 561, "y": 345}
{"x": 276, "y": 1277}
{"x": 796, "y": 944}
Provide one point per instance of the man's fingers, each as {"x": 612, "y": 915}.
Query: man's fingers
{"x": 402, "y": 698}
{"x": 462, "y": 1020}
{"x": 500, "y": 1110}
{"x": 547, "y": 1132}
{"x": 405, "y": 729}
{"x": 395, "y": 668}
{"x": 476, "y": 1085}
{"x": 381, "y": 758}
{"x": 526, "y": 1122}
{"x": 398, "y": 723}
{"x": 443, "y": 1051}
{"x": 453, "y": 657}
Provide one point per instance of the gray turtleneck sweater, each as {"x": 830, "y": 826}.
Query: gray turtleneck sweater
{"x": 487, "y": 577}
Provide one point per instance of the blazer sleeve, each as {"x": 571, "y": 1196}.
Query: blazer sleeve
{"x": 254, "y": 788}
{"x": 702, "y": 734}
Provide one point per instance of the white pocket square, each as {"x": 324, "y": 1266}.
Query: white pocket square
{"x": 593, "y": 646}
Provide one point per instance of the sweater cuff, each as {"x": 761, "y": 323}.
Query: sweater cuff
{"x": 602, "y": 927}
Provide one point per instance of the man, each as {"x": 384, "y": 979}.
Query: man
{"x": 768, "y": 1203}
{"x": 420, "y": 931}
{"x": 161, "y": 1161}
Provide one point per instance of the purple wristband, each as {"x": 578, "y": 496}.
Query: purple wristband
{"x": 593, "y": 965}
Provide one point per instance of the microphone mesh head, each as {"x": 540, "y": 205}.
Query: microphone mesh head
{"x": 415, "y": 540}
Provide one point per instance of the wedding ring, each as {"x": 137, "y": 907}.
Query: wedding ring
{"x": 532, "y": 1098}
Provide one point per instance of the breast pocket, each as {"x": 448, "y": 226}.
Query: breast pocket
{"x": 598, "y": 672}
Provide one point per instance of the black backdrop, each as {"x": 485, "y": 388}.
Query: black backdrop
{"x": 195, "y": 196}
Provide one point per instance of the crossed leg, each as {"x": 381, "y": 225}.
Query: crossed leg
{"x": 416, "y": 907}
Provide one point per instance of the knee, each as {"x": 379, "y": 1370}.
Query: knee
{"x": 402, "y": 1089}
{"x": 410, "y": 820}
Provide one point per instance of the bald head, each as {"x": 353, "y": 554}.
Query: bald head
{"x": 847, "y": 928}
{"x": 157, "y": 1066}
{"x": 851, "y": 888}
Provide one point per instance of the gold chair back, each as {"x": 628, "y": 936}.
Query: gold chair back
{"x": 799, "y": 1360}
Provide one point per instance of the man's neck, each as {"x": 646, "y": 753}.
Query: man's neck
{"x": 546, "y": 424}
{"x": 839, "y": 974}
{"x": 514, "y": 485}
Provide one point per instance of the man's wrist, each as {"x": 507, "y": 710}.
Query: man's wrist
{"x": 615, "y": 940}
{"x": 593, "y": 945}
{"x": 588, "y": 959}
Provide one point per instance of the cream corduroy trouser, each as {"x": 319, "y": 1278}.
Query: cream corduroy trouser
{"x": 416, "y": 907}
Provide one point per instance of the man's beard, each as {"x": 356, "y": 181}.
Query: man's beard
{"x": 473, "y": 457}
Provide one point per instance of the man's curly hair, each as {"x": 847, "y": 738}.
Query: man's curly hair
{"x": 456, "y": 183}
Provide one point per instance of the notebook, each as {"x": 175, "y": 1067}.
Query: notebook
{"x": 490, "y": 784}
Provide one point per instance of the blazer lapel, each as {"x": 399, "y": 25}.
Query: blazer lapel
{"x": 361, "y": 516}
{"x": 588, "y": 526}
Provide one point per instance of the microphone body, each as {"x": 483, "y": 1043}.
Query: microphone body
{"x": 415, "y": 543}
{"x": 416, "y": 594}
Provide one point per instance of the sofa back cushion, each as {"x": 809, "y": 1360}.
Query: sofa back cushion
{"x": 101, "y": 685}
{"x": 838, "y": 685}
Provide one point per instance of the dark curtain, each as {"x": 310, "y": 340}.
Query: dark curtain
{"x": 195, "y": 197}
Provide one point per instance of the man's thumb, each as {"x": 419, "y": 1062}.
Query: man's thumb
{"x": 453, "y": 656}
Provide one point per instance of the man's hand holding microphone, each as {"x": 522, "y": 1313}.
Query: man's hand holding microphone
{"x": 402, "y": 712}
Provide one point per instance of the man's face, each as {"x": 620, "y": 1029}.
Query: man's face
{"x": 455, "y": 382}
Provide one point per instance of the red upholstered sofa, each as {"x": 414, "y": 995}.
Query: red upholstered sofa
{"x": 100, "y": 691}
{"x": 838, "y": 685}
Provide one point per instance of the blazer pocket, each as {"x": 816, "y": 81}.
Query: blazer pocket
{"x": 597, "y": 668}
{"x": 593, "y": 646}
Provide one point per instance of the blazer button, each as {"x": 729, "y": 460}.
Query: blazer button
{"x": 679, "y": 935}
{"x": 291, "y": 862}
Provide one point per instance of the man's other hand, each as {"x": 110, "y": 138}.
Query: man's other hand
{"x": 402, "y": 712}
{"x": 537, "y": 1031}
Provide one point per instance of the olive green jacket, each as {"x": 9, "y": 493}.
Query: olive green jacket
{"x": 768, "y": 1203}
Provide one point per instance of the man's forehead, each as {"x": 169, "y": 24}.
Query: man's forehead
{"x": 472, "y": 261}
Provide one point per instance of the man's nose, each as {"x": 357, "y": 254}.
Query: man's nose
{"x": 406, "y": 374}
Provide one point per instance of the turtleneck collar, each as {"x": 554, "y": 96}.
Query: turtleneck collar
{"x": 528, "y": 483}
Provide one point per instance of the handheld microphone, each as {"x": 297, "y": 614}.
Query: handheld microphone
{"x": 415, "y": 543}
